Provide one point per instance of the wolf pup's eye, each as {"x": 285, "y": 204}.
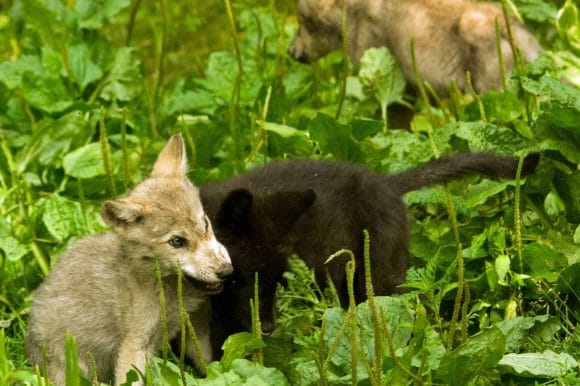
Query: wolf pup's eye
{"x": 177, "y": 242}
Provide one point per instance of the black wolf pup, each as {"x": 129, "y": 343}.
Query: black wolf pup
{"x": 314, "y": 208}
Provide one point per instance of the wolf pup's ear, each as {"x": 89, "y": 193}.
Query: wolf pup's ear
{"x": 234, "y": 213}
{"x": 121, "y": 213}
{"x": 172, "y": 161}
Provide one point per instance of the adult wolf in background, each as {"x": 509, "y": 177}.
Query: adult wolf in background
{"x": 450, "y": 37}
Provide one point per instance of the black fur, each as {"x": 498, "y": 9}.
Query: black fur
{"x": 314, "y": 208}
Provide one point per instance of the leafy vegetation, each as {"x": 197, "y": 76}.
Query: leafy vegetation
{"x": 89, "y": 92}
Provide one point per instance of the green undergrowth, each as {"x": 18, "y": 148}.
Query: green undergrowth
{"x": 89, "y": 95}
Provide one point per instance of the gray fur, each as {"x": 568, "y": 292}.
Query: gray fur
{"x": 450, "y": 37}
{"x": 103, "y": 289}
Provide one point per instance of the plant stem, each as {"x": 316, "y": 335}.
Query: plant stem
{"x": 124, "y": 152}
{"x": 256, "y": 325}
{"x": 105, "y": 153}
{"x": 134, "y": 8}
{"x": 235, "y": 103}
{"x": 162, "y": 304}
{"x": 502, "y": 71}
{"x": 517, "y": 214}
{"x": 475, "y": 96}
{"x": 377, "y": 365}
{"x": 162, "y": 49}
{"x": 346, "y": 67}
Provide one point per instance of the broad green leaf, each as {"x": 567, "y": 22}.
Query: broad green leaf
{"x": 569, "y": 280}
{"x": 84, "y": 70}
{"x": 537, "y": 10}
{"x": 363, "y": 128}
{"x": 255, "y": 374}
{"x": 381, "y": 77}
{"x": 181, "y": 101}
{"x": 486, "y": 137}
{"x": 47, "y": 94}
{"x": 51, "y": 19}
{"x": 284, "y": 140}
{"x": 221, "y": 77}
{"x": 297, "y": 83}
{"x": 239, "y": 346}
{"x": 502, "y": 267}
{"x": 501, "y": 107}
{"x": 568, "y": 25}
{"x": 53, "y": 140}
{"x": 93, "y": 13}
{"x": 518, "y": 330}
{"x": 560, "y": 104}
{"x": 13, "y": 249}
{"x": 480, "y": 193}
{"x": 11, "y": 71}
{"x": 124, "y": 79}
{"x": 51, "y": 62}
{"x": 543, "y": 262}
{"x": 547, "y": 364}
{"x": 481, "y": 351}
{"x": 63, "y": 218}
{"x": 84, "y": 162}
{"x": 393, "y": 310}
{"x": 335, "y": 138}
{"x": 242, "y": 372}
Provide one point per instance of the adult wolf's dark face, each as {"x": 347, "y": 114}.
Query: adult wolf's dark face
{"x": 320, "y": 30}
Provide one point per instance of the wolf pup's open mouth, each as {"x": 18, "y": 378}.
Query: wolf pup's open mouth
{"x": 204, "y": 286}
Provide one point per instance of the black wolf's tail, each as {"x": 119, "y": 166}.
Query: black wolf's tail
{"x": 448, "y": 168}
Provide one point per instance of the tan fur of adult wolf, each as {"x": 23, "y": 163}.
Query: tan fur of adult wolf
{"x": 450, "y": 37}
{"x": 104, "y": 290}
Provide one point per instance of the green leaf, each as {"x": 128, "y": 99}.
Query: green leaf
{"x": 568, "y": 25}
{"x": 284, "y": 140}
{"x": 13, "y": 249}
{"x": 543, "y": 262}
{"x": 93, "y": 13}
{"x": 63, "y": 218}
{"x": 84, "y": 162}
{"x": 480, "y": 193}
{"x": 363, "y": 128}
{"x": 335, "y": 138}
{"x": 11, "y": 72}
{"x": 537, "y": 10}
{"x": 124, "y": 79}
{"x": 52, "y": 141}
{"x": 381, "y": 76}
{"x": 242, "y": 372}
{"x": 502, "y": 267}
{"x": 561, "y": 104}
{"x": 569, "y": 280}
{"x": 189, "y": 101}
{"x": 255, "y": 374}
{"x": 466, "y": 362}
{"x": 47, "y": 94}
{"x": 517, "y": 330}
{"x": 84, "y": 70}
{"x": 547, "y": 364}
{"x": 239, "y": 346}
{"x": 501, "y": 107}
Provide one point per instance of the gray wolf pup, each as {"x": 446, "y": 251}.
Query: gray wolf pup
{"x": 450, "y": 37}
{"x": 314, "y": 208}
{"x": 103, "y": 289}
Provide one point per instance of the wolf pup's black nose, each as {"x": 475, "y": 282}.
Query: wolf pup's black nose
{"x": 225, "y": 271}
